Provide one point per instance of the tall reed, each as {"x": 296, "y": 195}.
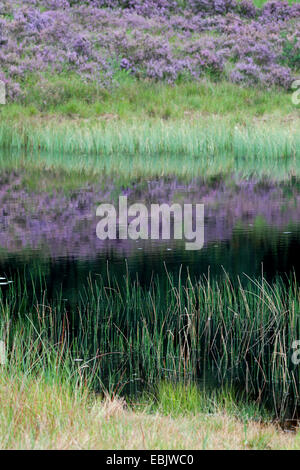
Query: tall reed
{"x": 126, "y": 336}
{"x": 154, "y": 148}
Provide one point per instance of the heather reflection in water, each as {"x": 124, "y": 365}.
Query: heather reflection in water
{"x": 51, "y": 237}
{"x": 246, "y": 224}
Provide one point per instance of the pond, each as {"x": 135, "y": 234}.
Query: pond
{"x": 248, "y": 227}
{"x": 251, "y": 228}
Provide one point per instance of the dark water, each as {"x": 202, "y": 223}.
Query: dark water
{"x": 248, "y": 227}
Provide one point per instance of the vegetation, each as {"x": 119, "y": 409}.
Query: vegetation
{"x": 152, "y": 150}
{"x": 38, "y": 413}
{"x": 221, "y": 128}
{"x": 122, "y": 338}
{"x": 155, "y": 40}
{"x": 100, "y": 91}
{"x": 138, "y": 126}
{"x": 67, "y": 97}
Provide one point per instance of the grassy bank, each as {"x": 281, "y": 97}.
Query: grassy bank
{"x": 152, "y": 130}
{"x": 67, "y": 97}
{"x": 37, "y": 413}
{"x": 154, "y": 150}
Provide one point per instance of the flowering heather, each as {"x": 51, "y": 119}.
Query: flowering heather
{"x": 149, "y": 39}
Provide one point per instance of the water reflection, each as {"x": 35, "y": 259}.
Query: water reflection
{"x": 247, "y": 224}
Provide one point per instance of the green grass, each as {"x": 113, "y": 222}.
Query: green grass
{"x": 260, "y": 3}
{"x": 36, "y": 413}
{"x": 147, "y": 130}
{"x": 153, "y": 150}
{"x": 129, "y": 338}
{"x": 177, "y": 399}
{"x": 140, "y": 129}
{"x": 69, "y": 97}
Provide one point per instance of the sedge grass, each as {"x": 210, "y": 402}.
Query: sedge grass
{"x": 140, "y": 129}
{"x": 153, "y": 149}
{"x": 123, "y": 338}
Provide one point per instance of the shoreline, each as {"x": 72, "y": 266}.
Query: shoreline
{"x": 56, "y": 417}
{"x": 154, "y": 149}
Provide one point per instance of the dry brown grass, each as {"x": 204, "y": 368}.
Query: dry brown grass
{"x": 37, "y": 415}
